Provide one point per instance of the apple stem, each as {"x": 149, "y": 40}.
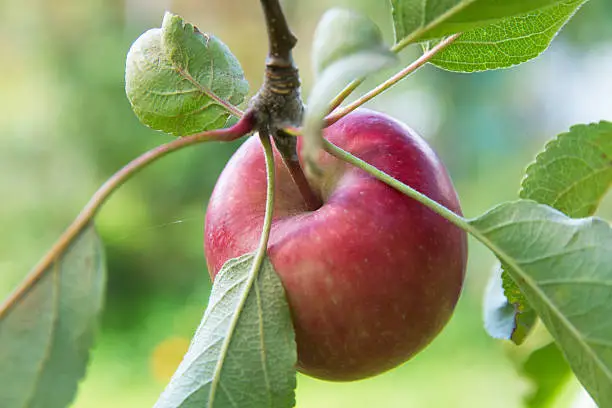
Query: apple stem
{"x": 278, "y": 104}
{"x": 438, "y": 208}
{"x": 244, "y": 126}
{"x": 287, "y": 146}
{"x": 280, "y": 38}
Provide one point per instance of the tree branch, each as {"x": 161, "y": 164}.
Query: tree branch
{"x": 278, "y": 103}
{"x": 281, "y": 39}
{"x": 422, "y": 60}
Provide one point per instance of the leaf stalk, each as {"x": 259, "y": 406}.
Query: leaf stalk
{"x": 422, "y": 60}
{"x": 241, "y": 128}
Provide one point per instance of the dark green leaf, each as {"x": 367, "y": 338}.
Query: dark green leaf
{"x": 547, "y": 369}
{"x": 182, "y": 81}
{"x": 563, "y": 266}
{"x": 243, "y": 354}
{"x": 572, "y": 174}
{"x": 417, "y": 20}
{"x": 45, "y": 336}
{"x": 507, "y": 42}
{"x": 574, "y": 171}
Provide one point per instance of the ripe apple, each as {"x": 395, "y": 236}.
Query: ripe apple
{"x": 372, "y": 276}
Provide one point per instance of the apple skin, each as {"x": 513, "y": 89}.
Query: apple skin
{"x": 372, "y": 276}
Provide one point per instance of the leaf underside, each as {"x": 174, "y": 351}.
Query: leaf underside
{"x": 572, "y": 174}
{"x": 243, "y": 354}
{"x": 347, "y": 46}
{"x": 46, "y": 334}
{"x": 563, "y": 266}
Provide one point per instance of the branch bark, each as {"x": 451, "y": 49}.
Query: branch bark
{"x": 278, "y": 103}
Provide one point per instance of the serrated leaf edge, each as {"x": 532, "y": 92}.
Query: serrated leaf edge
{"x": 527, "y": 279}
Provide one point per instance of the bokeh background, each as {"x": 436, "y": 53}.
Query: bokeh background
{"x": 66, "y": 126}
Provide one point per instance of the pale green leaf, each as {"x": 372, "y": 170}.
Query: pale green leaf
{"x": 500, "y": 316}
{"x": 337, "y": 76}
{"x": 572, "y": 174}
{"x": 244, "y": 353}
{"x": 418, "y": 20}
{"x": 182, "y": 81}
{"x": 340, "y": 33}
{"x": 360, "y": 53}
{"x": 508, "y": 42}
{"x": 45, "y": 336}
{"x": 548, "y": 371}
{"x": 563, "y": 266}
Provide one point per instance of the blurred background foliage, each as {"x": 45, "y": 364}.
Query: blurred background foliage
{"x": 66, "y": 126}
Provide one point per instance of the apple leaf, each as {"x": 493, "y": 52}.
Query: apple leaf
{"x": 418, "y": 20}
{"x": 244, "y": 353}
{"x": 346, "y": 47}
{"x": 547, "y": 369}
{"x": 343, "y": 32}
{"x": 46, "y": 333}
{"x": 182, "y": 81}
{"x": 501, "y": 318}
{"x": 572, "y": 174}
{"x": 563, "y": 266}
{"x": 507, "y": 42}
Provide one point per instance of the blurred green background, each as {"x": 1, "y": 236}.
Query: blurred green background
{"x": 66, "y": 126}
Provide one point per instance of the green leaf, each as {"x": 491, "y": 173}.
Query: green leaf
{"x": 572, "y": 174}
{"x": 182, "y": 81}
{"x": 418, "y": 20}
{"x": 356, "y": 50}
{"x": 244, "y": 353}
{"x": 547, "y": 369}
{"x": 502, "y": 319}
{"x": 343, "y": 32}
{"x": 45, "y": 336}
{"x": 574, "y": 171}
{"x": 508, "y": 42}
{"x": 563, "y": 266}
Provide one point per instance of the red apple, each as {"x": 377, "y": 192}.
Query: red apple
{"x": 372, "y": 276}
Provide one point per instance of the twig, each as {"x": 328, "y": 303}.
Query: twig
{"x": 281, "y": 39}
{"x": 278, "y": 103}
